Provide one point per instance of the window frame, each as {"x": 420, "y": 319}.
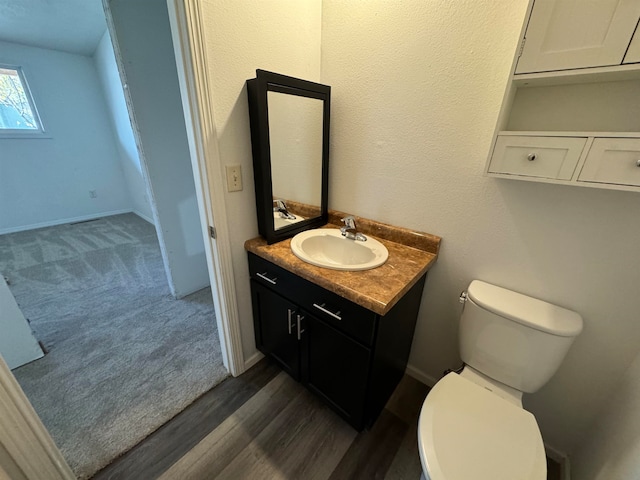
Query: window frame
{"x": 23, "y": 132}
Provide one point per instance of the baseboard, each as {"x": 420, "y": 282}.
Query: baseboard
{"x": 62, "y": 221}
{"x": 144, "y": 217}
{"x": 419, "y": 375}
{"x": 252, "y": 360}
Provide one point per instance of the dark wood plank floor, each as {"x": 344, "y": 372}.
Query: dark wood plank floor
{"x": 264, "y": 425}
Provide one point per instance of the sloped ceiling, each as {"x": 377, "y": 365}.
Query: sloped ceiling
{"x": 74, "y": 26}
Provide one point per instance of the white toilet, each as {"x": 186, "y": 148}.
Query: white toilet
{"x": 472, "y": 426}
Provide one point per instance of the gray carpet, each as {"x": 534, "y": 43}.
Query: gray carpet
{"x": 124, "y": 355}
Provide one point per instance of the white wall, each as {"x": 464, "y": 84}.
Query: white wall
{"x": 279, "y": 36}
{"x": 416, "y": 91}
{"x": 611, "y": 450}
{"x": 143, "y": 34}
{"x": 105, "y": 62}
{"x": 45, "y": 181}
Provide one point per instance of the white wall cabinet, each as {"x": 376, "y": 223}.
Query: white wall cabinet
{"x": 566, "y": 34}
{"x": 571, "y": 112}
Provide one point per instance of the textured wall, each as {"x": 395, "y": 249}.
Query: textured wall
{"x": 277, "y": 35}
{"x": 44, "y": 181}
{"x": 417, "y": 88}
{"x": 135, "y": 183}
{"x": 611, "y": 450}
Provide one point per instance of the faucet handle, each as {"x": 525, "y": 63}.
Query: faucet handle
{"x": 350, "y": 230}
{"x": 280, "y": 205}
{"x": 349, "y": 222}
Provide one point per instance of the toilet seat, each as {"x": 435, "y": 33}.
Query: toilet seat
{"x": 467, "y": 432}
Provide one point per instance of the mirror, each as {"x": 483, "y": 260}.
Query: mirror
{"x": 290, "y": 143}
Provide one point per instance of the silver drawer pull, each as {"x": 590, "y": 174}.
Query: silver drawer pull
{"x": 290, "y": 315}
{"x": 531, "y": 157}
{"x": 322, "y": 309}
{"x": 300, "y": 330}
{"x": 264, "y": 277}
{"x": 637, "y": 163}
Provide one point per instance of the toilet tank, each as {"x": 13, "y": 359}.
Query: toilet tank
{"x": 515, "y": 339}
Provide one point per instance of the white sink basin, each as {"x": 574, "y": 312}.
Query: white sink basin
{"x": 326, "y": 247}
{"x": 279, "y": 222}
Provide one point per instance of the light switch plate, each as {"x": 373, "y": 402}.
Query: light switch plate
{"x": 234, "y": 178}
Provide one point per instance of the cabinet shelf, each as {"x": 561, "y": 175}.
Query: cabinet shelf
{"x": 617, "y": 73}
{"x": 608, "y": 159}
{"x": 546, "y": 133}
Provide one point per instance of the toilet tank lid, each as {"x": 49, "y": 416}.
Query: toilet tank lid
{"x": 525, "y": 310}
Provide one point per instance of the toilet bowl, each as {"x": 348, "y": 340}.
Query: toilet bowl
{"x": 468, "y": 432}
{"x": 472, "y": 425}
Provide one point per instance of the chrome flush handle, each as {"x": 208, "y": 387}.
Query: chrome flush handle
{"x": 463, "y": 297}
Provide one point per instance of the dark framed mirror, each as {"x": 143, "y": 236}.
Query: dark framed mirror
{"x": 289, "y": 120}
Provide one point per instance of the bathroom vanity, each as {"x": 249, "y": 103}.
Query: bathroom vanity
{"x": 345, "y": 335}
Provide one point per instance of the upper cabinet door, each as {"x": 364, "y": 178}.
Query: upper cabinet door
{"x": 633, "y": 54}
{"x": 568, "y": 34}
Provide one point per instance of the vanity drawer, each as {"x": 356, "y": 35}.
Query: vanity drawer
{"x": 613, "y": 160}
{"x": 276, "y": 278}
{"x": 544, "y": 157}
{"x": 350, "y": 318}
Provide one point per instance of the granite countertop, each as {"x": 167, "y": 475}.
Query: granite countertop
{"x": 411, "y": 255}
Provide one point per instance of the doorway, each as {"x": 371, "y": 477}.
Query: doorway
{"x": 115, "y": 223}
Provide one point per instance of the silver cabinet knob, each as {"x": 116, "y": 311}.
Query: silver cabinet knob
{"x": 637, "y": 163}
{"x": 531, "y": 157}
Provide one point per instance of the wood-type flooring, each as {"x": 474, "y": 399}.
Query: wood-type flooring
{"x": 264, "y": 425}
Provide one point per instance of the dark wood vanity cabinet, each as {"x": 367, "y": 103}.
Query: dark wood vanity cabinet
{"x": 349, "y": 356}
{"x": 278, "y": 327}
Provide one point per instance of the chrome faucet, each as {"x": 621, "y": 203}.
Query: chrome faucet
{"x": 281, "y": 208}
{"x": 350, "y": 230}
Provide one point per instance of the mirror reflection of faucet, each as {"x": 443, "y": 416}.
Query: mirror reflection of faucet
{"x": 350, "y": 230}
{"x": 281, "y": 208}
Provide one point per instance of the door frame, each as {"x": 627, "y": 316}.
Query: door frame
{"x": 187, "y": 31}
{"x": 27, "y": 450}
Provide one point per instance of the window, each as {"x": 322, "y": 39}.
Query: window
{"x": 18, "y": 114}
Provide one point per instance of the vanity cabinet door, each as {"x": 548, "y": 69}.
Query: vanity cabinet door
{"x": 275, "y": 326}
{"x": 565, "y": 34}
{"x": 335, "y": 367}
